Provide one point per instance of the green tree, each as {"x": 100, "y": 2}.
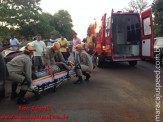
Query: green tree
{"x": 63, "y": 23}
{"x": 18, "y": 14}
{"x": 157, "y": 9}
{"x": 137, "y": 5}
{"x": 44, "y": 26}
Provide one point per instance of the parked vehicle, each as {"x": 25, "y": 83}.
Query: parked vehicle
{"x": 124, "y": 36}
{"x": 3, "y": 75}
{"x": 158, "y": 44}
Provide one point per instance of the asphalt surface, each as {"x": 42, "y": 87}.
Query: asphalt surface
{"x": 116, "y": 93}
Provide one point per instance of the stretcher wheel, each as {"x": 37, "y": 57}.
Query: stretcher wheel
{"x": 37, "y": 95}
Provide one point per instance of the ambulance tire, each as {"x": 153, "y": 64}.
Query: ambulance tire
{"x": 99, "y": 61}
{"x": 132, "y": 63}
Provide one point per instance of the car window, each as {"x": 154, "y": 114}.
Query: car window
{"x": 160, "y": 42}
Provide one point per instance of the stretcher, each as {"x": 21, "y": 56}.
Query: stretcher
{"x": 44, "y": 80}
{"x": 50, "y": 80}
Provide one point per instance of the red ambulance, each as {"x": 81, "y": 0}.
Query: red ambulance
{"x": 124, "y": 37}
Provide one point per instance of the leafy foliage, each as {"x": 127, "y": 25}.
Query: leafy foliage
{"x": 157, "y": 9}
{"x": 137, "y": 5}
{"x": 63, "y": 23}
{"x": 24, "y": 19}
{"x": 19, "y": 12}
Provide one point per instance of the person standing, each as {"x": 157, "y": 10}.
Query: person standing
{"x": 50, "y": 41}
{"x": 52, "y": 38}
{"x": 76, "y": 41}
{"x": 6, "y": 44}
{"x": 1, "y": 44}
{"x": 39, "y": 46}
{"x": 14, "y": 43}
{"x": 64, "y": 44}
{"x": 91, "y": 42}
{"x": 91, "y": 45}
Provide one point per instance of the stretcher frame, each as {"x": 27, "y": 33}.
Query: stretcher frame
{"x": 50, "y": 81}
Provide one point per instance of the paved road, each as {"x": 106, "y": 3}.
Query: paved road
{"x": 116, "y": 93}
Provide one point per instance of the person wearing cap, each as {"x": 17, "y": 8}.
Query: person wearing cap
{"x": 83, "y": 65}
{"x": 14, "y": 43}
{"x": 19, "y": 69}
{"x": 39, "y": 46}
{"x": 64, "y": 44}
{"x": 76, "y": 41}
{"x": 49, "y": 56}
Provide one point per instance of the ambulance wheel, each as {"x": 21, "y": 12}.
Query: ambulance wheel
{"x": 54, "y": 88}
{"x": 99, "y": 61}
{"x": 132, "y": 63}
{"x": 37, "y": 95}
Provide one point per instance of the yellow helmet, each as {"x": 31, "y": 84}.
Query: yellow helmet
{"x": 56, "y": 46}
{"x": 79, "y": 46}
{"x": 29, "y": 49}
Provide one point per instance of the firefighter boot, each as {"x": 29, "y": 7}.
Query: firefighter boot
{"x": 79, "y": 81}
{"x": 87, "y": 76}
{"x": 21, "y": 99}
{"x": 14, "y": 94}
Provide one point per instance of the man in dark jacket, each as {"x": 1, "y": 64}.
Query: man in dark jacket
{"x": 3, "y": 75}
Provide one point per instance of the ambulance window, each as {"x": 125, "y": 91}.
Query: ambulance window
{"x": 147, "y": 26}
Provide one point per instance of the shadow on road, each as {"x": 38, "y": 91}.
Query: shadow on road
{"x": 117, "y": 65}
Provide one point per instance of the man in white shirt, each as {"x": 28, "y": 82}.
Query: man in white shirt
{"x": 39, "y": 46}
{"x": 14, "y": 42}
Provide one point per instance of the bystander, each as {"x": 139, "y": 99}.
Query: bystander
{"x": 14, "y": 43}
{"x": 76, "y": 41}
{"x": 64, "y": 44}
{"x": 39, "y": 46}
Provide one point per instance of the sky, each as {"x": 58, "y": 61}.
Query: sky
{"x": 84, "y": 12}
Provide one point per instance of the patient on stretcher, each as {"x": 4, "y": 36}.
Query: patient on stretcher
{"x": 52, "y": 58}
{"x": 53, "y": 68}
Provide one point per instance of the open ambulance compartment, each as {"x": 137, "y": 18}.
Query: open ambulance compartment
{"x": 126, "y": 35}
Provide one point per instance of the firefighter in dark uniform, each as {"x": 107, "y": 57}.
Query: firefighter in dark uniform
{"x": 83, "y": 65}
{"x": 20, "y": 71}
{"x": 52, "y": 56}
